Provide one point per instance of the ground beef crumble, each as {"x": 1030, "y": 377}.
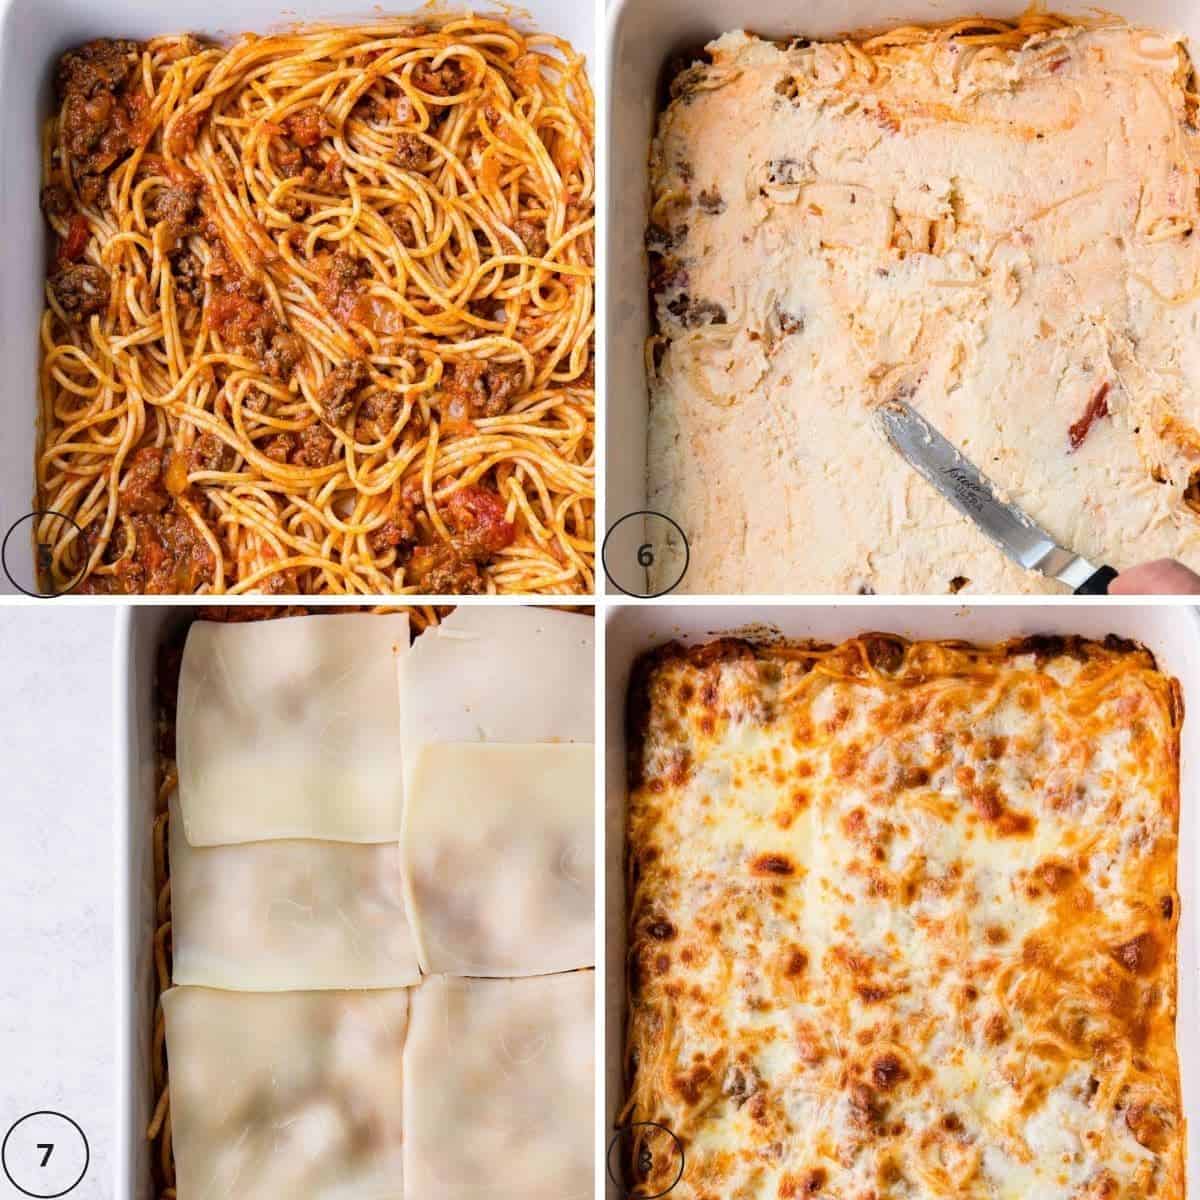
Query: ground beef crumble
{"x": 533, "y": 235}
{"x": 81, "y": 290}
{"x": 210, "y": 453}
{"x": 308, "y": 126}
{"x": 100, "y": 109}
{"x": 318, "y": 447}
{"x": 240, "y": 313}
{"x": 398, "y": 532}
{"x": 342, "y": 286}
{"x": 188, "y": 273}
{"x": 410, "y": 151}
{"x": 336, "y": 396}
{"x": 479, "y": 531}
{"x": 280, "y": 447}
{"x": 143, "y": 489}
{"x": 478, "y": 388}
{"x": 178, "y": 206}
{"x": 281, "y": 356}
{"x": 446, "y": 80}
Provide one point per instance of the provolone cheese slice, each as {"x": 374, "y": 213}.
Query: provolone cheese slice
{"x": 500, "y": 675}
{"x": 499, "y": 855}
{"x": 498, "y": 1089}
{"x": 290, "y": 729}
{"x": 288, "y": 915}
{"x": 294, "y": 1094}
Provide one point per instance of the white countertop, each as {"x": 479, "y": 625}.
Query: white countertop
{"x": 56, "y": 875}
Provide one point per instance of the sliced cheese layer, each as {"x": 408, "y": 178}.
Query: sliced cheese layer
{"x": 500, "y": 675}
{"x": 498, "y": 1089}
{"x": 498, "y": 854}
{"x": 292, "y": 1094}
{"x": 276, "y": 916}
{"x": 290, "y": 729}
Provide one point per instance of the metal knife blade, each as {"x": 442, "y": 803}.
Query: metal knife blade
{"x": 974, "y": 495}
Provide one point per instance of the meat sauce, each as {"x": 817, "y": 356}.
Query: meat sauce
{"x": 476, "y": 388}
{"x": 155, "y": 546}
{"x": 169, "y": 554}
{"x": 342, "y": 290}
{"x": 240, "y": 313}
{"x": 479, "y": 531}
{"x": 102, "y": 110}
{"x": 81, "y": 290}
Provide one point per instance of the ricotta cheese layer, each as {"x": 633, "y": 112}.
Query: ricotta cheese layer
{"x": 999, "y": 229}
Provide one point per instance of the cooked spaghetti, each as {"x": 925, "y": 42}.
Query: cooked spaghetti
{"x": 320, "y": 314}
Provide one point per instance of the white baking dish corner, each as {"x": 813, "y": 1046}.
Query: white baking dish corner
{"x": 1171, "y": 632}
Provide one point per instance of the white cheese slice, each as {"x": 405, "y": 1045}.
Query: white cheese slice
{"x": 498, "y": 1089}
{"x": 500, "y": 675}
{"x": 292, "y": 1094}
{"x": 290, "y": 729}
{"x": 498, "y": 849}
{"x": 288, "y": 915}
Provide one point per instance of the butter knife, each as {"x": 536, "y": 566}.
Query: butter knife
{"x": 974, "y": 495}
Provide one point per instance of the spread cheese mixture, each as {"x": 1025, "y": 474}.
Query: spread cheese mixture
{"x": 992, "y": 221}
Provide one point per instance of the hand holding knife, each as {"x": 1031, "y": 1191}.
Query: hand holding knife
{"x": 974, "y": 495}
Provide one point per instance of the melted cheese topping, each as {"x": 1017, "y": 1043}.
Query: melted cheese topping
{"x": 903, "y": 921}
{"x": 997, "y": 227}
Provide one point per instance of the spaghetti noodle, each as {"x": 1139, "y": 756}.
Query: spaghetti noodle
{"x": 321, "y": 314}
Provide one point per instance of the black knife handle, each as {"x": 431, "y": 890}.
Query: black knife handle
{"x": 1097, "y": 585}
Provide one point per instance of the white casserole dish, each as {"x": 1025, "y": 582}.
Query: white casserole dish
{"x": 142, "y": 628}
{"x": 140, "y": 632}
{"x": 1172, "y": 632}
{"x": 33, "y": 33}
{"x": 642, "y": 38}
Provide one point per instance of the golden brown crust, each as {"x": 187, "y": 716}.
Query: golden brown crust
{"x": 1044, "y": 768}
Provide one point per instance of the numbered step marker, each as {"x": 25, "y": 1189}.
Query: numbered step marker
{"x": 643, "y": 1156}
{"x": 645, "y": 554}
{"x": 45, "y": 1154}
{"x": 43, "y": 554}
